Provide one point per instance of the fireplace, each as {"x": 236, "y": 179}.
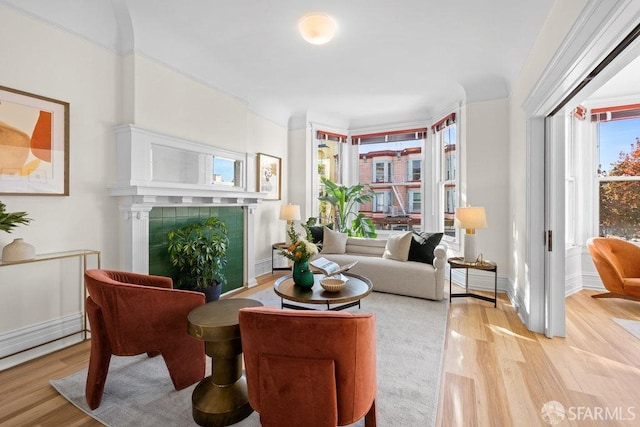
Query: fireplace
{"x": 162, "y": 171}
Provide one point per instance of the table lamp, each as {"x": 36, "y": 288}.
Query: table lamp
{"x": 289, "y": 213}
{"x": 471, "y": 218}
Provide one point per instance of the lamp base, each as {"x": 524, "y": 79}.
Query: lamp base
{"x": 470, "y": 254}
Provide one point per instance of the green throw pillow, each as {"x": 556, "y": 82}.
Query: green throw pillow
{"x": 423, "y": 245}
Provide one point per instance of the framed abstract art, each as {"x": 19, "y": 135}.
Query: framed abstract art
{"x": 34, "y": 144}
{"x": 270, "y": 176}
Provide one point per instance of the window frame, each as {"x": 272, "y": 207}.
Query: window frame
{"x": 443, "y": 164}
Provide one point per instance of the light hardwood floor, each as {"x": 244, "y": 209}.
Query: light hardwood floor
{"x": 495, "y": 373}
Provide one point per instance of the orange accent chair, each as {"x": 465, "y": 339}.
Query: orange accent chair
{"x": 309, "y": 368}
{"x": 618, "y": 264}
{"x": 132, "y": 314}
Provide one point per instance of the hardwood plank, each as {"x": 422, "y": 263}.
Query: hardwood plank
{"x": 495, "y": 371}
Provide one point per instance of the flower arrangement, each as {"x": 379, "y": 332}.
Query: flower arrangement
{"x": 300, "y": 250}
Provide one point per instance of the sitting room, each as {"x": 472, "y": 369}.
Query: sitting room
{"x": 170, "y": 172}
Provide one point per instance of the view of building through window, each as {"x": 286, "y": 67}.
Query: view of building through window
{"x": 329, "y": 150}
{"x": 619, "y": 176}
{"x": 392, "y": 166}
{"x": 447, "y": 141}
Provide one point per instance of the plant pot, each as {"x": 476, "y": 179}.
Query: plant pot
{"x": 212, "y": 293}
{"x": 302, "y": 276}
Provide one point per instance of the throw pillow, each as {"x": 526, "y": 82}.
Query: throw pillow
{"x": 317, "y": 233}
{"x": 334, "y": 242}
{"x": 423, "y": 245}
{"x": 398, "y": 247}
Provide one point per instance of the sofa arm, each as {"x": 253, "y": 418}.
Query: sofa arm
{"x": 439, "y": 264}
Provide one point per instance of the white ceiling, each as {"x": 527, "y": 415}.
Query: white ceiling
{"x": 390, "y": 61}
{"x": 622, "y": 87}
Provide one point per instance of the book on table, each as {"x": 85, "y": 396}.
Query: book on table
{"x": 330, "y": 268}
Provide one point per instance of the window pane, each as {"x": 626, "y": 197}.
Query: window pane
{"x": 619, "y": 148}
{"x": 329, "y": 153}
{"x": 620, "y": 209}
{"x": 415, "y": 200}
{"x": 224, "y": 171}
{"x": 447, "y": 139}
{"x": 415, "y": 170}
{"x": 393, "y": 169}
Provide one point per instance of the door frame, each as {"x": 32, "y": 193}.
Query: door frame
{"x": 601, "y": 26}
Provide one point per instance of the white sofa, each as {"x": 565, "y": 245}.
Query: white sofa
{"x": 410, "y": 278}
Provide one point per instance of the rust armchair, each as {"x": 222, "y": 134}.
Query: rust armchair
{"x": 309, "y": 368}
{"x": 618, "y": 264}
{"x": 132, "y": 314}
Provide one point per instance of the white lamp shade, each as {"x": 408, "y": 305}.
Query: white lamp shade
{"x": 317, "y": 28}
{"x": 290, "y": 212}
{"x": 471, "y": 217}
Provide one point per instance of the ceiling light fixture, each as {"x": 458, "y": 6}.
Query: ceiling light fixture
{"x": 317, "y": 28}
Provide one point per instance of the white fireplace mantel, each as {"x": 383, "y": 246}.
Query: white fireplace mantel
{"x": 156, "y": 170}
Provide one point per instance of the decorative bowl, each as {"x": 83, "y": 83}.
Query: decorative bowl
{"x": 331, "y": 284}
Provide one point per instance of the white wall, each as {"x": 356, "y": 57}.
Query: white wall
{"x": 266, "y": 137}
{"x": 43, "y": 60}
{"x": 99, "y": 84}
{"x": 487, "y": 175}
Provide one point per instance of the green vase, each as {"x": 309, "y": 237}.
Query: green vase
{"x": 302, "y": 276}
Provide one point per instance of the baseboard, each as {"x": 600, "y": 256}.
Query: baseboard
{"x": 592, "y": 282}
{"x": 478, "y": 280}
{"x": 573, "y": 284}
{"x": 17, "y": 340}
{"x": 263, "y": 266}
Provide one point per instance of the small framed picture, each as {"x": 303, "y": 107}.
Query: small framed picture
{"x": 270, "y": 176}
{"x": 34, "y": 144}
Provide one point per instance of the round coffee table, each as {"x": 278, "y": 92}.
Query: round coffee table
{"x": 220, "y": 399}
{"x": 357, "y": 287}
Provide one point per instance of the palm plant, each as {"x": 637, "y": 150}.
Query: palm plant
{"x": 9, "y": 220}
{"x": 346, "y": 201}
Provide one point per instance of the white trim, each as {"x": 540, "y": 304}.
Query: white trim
{"x": 592, "y": 281}
{"x": 29, "y": 336}
{"x": 481, "y": 280}
{"x": 573, "y": 284}
{"x": 600, "y": 27}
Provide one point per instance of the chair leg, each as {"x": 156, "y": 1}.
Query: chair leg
{"x": 99, "y": 358}
{"x": 370, "y": 417}
{"x": 185, "y": 363}
{"x": 615, "y": 295}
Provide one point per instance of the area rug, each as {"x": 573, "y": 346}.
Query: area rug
{"x": 632, "y": 326}
{"x": 410, "y": 343}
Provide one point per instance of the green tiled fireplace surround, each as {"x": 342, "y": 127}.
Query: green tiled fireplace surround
{"x": 162, "y": 220}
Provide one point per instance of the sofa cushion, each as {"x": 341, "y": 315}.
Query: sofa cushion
{"x": 397, "y": 247}
{"x": 334, "y": 242}
{"x": 366, "y": 246}
{"x": 317, "y": 232}
{"x": 423, "y": 245}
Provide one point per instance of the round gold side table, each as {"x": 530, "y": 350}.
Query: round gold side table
{"x": 220, "y": 399}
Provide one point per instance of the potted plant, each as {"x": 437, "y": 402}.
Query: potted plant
{"x": 9, "y": 220}
{"x": 300, "y": 252}
{"x": 346, "y": 202}
{"x": 198, "y": 251}
{"x": 17, "y": 250}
